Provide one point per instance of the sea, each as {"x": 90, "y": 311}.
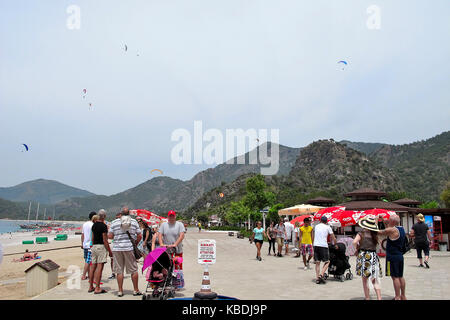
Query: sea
{"x": 9, "y": 226}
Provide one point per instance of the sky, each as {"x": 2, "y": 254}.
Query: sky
{"x": 231, "y": 64}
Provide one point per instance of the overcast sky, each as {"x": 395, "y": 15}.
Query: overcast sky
{"x": 259, "y": 64}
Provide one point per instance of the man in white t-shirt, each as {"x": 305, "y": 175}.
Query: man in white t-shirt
{"x": 289, "y": 230}
{"x": 321, "y": 252}
{"x": 86, "y": 244}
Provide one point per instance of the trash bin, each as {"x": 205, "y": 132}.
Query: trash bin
{"x": 442, "y": 246}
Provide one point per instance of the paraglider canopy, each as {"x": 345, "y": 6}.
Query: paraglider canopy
{"x": 26, "y": 147}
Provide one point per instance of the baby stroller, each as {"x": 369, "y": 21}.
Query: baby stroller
{"x": 159, "y": 275}
{"x": 339, "y": 263}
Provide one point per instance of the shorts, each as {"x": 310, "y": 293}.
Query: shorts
{"x": 87, "y": 256}
{"x": 321, "y": 254}
{"x": 99, "y": 254}
{"x": 422, "y": 246}
{"x": 122, "y": 260}
{"x": 258, "y": 241}
{"x": 280, "y": 241}
{"x": 394, "y": 268}
{"x": 306, "y": 249}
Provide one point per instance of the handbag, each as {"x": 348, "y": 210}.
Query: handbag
{"x": 137, "y": 253}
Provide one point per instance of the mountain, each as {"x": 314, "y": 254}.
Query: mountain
{"x": 12, "y": 210}
{"x": 324, "y": 167}
{"x": 162, "y": 194}
{"x": 422, "y": 166}
{"x": 43, "y": 191}
{"x": 364, "y": 147}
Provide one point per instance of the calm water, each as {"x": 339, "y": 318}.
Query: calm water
{"x": 9, "y": 226}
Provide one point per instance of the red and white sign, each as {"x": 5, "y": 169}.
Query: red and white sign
{"x": 206, "y": 251}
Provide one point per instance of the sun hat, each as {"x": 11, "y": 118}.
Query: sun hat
{"x": 368, "y": 223}
{"x": 420, "y": 217}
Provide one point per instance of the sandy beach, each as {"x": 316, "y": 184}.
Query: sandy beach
{"x": 12, "y": 276}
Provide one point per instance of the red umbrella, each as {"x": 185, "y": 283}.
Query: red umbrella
{"x": 386, "y": 214}
{"x": 338, "y": 216}
{"x": 300, "y": 219}
{"x": 328, "y": 212}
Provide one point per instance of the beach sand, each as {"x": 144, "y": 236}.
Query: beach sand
{"x": 12, "y": 275}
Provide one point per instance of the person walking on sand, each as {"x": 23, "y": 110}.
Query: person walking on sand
{"x": 289, "y": 231}
{"x": 306, "y": 242}
{"x": 281, "y": 235}
{"x": 321, "y": 252}
{"x": 121, "y": 231}
{"x": 86, "y": 244}
{"x": 367, "y": 262}
{"x": 272, "y": 236}
{"x": 395, "y": 248}
{"x": 422, "y": 238}
{"x": 258, "y": 237}
{"x": 100, "y": 250}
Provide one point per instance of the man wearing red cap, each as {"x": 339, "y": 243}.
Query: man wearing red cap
{"x": 171, "y": 235}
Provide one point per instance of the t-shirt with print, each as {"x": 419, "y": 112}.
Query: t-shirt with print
{"x": 321, "y": 232}
{"x": 171, "y": 232}
{"x": 306, "y": 234}
{"x": 259, "y": 233}
{"x": 121, "y": 241}
{"x": 87, "y": 228}
{"x": 280, "y": 231}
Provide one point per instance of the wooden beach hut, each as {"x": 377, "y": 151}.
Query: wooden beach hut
{"x": 41, "y": 277}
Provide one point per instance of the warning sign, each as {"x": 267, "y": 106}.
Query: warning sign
{"x": 206, "y": 251}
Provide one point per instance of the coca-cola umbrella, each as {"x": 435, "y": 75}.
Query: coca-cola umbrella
{"x": 338, "y": 216}
{"x": 385, "y": 214}
{"x": 300, "y": 220}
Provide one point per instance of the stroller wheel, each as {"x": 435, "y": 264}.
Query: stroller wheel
{"x": 347, "y": 276}
{"x": 341, "y": 278}
{"x": 161, "y": 297}
{"x": 325, "y": 276}
{"x": 351, "y": 276}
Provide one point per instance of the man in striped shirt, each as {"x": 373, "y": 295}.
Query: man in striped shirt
{"x": 123, "y": 249}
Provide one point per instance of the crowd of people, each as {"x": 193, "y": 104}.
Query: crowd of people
{"x": 126, "y": 235}
{"x": 314, "y": 242}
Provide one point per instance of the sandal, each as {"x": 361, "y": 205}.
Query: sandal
{"x": 103, "y": 291}
{"x": 120, "y": 294}
{"x": 91, "y": 290}
{"x": 138, "y": 293}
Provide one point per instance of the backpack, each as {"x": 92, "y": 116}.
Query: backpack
{"x": 125, "y": 222}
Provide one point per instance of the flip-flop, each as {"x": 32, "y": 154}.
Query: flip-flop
{"x": 89, "y": 291}
{"x": 103, "y": 291}
{"x": 120, "y": 294}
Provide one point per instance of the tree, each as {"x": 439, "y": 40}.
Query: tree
{"x": 257, "y": 198}
{"x": 445, "y": 195}
{"x": 237, "y": 213}
{"x": 273, "y": 213}
{"x": 203, "y": 217}
{"x": 430, "y": 205}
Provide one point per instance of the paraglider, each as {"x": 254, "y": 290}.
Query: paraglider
{"x": 160, "y": 171}
{"x": 26, "y": 147}
{"x": 221, "y": 195}
{"x": 84, "y": 93}
{"x": 126, "y": 48}
{"x": 90, "y": 106}
{"x": 343, "y": 62}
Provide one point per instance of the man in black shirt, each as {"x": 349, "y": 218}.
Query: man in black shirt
{"x": 421, "y": 233}
{"x": 100, "y": 250}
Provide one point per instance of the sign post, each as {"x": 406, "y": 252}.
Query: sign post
{"x": 206, "y": 256}
{"x": 264, "y": 212}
